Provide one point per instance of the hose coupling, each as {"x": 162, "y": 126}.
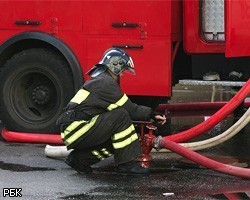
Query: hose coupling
{"x": 156, "y": 143}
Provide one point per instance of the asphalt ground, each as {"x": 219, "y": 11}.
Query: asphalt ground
{"x": 172, "y": 177}
{"x": 26, "y": 172}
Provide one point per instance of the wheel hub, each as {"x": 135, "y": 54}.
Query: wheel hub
{"x": 40, "y": 95}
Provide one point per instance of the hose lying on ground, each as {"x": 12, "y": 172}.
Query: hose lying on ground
{"x": 204, "y": 161}
{"x": 11, "y": 136}
{"x": 56, "y": 151}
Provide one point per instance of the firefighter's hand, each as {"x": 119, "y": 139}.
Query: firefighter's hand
{"x": 158, "y": 117}
{"x": 161, "y": 119}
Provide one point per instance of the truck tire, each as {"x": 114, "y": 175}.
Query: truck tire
{"x": 35, "y": 86}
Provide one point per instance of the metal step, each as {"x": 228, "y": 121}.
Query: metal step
{"x": 216, "y": 83}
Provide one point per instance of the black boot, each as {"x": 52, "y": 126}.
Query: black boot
{"x": 131, "y": 167}
{"x": 77, "y": 165}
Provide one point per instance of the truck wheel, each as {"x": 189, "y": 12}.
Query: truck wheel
{"x": 35, "y": 86}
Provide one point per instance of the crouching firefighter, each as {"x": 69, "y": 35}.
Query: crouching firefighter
{"x": 97, "y": 122}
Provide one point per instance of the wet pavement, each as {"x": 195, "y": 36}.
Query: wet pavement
{"x": 26, "y": 167}
{"x": 172, "y": 177}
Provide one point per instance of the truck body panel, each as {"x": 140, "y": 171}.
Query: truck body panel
{"x": 238, "y": 25}
{"x": 169, "y": 40}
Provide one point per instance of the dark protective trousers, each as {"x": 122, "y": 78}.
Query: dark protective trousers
{"x": 113, "y": 133}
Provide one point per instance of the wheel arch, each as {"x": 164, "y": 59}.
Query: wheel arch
{"x": 28, "y": 40}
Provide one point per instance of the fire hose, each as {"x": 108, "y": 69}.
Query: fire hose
{"x": 204, "y": 161}
{"x": 11, "y": 136}
{"x": 56, "y": 151}
{"x": 150, "y": 141}
{"x": 229, "y": 133}
{"x": 214, "y": 119}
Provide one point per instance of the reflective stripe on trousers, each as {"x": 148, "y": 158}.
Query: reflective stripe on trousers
{"x": 124, "y": 138}
{"x": 77, "y": 129}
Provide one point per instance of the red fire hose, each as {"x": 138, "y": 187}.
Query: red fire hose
{"x": 214, "y": 119}
{"x": 11, "y": 136}
{"x": 204, "y": 161}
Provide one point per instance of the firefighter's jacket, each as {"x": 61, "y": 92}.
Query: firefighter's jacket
{"x": 103, "y": 94}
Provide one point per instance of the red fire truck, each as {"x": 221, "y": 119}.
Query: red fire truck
{"x": 46, "y": 46}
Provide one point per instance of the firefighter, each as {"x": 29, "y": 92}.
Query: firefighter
{"x": 97, "y": 122}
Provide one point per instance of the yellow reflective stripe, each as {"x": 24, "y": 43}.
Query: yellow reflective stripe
{"x": 81, "y": 131}
{"x": 98, "y": 155}
{"x": 71, "y": 127}
{"x": 124, "y": 133}
{"x": 80, "y": 96}
{"x": 120, "y": 102}
{"x": 126, "y": 142}
{"x": 106, "y": 152}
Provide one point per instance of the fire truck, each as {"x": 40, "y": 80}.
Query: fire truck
{"x": 47, "y": 46}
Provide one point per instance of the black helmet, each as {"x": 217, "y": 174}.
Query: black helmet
{"x": 116, "y": 60}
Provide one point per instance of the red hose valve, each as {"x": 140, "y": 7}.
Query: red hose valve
{"x": 146, "y": 145}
